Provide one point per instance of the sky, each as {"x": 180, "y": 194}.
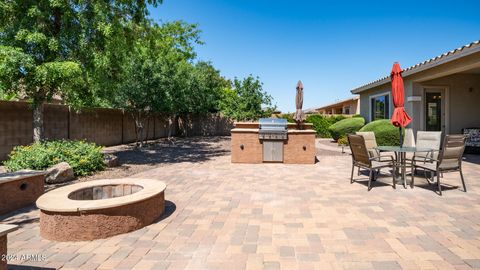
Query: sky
{"x": 331, "y": 46}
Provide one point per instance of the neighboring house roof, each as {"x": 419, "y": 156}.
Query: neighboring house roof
{"x": 465, "y": 50}
{"x": 310, "y": 110}
{"x": 338, "y": 102}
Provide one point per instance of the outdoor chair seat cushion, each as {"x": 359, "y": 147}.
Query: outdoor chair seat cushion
{"x": 381, "y": 164}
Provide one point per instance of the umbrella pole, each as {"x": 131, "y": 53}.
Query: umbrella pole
{"x": 401, "y": 137}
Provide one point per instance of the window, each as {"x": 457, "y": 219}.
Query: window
{"x": 380, "y": 107}
{"x": 346, "y": 110}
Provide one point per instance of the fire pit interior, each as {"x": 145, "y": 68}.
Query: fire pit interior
{"x": 104, "y": 192}
{"x": 100, "y": 209}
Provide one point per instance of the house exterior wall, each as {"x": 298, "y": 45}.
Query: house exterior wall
{"x": 338, "y": 108}
{"x": 463, "y": 102}
{"x": 367, "y": 95}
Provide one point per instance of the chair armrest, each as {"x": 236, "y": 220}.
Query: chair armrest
{"x": 425, "y": 160}
{"x": 379, "y": 158}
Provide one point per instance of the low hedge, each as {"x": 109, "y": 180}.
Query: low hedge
{"x": 83, "y": 157}
{"x": 385, "y": 132}
{"x": 346, "y": 126}
{"x": 322, "y": 123}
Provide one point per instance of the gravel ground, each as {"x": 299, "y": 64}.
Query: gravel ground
{"x": 158, "y": 153}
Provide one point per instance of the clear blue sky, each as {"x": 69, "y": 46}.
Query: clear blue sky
{"x": 332, "y": 46}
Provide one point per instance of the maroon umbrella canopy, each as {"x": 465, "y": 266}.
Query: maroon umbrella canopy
{"x": 299, "y": 115}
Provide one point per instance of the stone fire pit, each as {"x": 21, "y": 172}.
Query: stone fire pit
{"x": 100, "y": 209}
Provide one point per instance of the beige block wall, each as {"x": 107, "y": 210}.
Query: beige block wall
{"x": 252, "y": 149}
{"x": 20, "y": 193}
{"x": 102, "y": 126}
{"x": 55, "y": 121}
{"x": 294, "y": 152}
{"x": 15, "y": 126}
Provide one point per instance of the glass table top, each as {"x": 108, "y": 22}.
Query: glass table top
{"x": 403, "y": 149}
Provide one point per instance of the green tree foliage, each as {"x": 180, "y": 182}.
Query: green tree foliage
{"x": 110, "y": 54}
{"x": 158, "y": 76}
{"x": 64, "y": 47}
{"x": 321, "y": 124}
{"x": 245, "y": 99}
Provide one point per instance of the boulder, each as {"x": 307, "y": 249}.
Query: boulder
{"x": 110, "y": 160}
{"x": 60, "y": 173}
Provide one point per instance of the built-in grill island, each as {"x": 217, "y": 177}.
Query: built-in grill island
{"x": 273, "y": 140}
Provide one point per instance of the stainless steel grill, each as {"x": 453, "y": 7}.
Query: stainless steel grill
{"x": 272, "y": 129}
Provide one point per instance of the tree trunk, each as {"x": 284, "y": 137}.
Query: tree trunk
{"x": 38, "y": 122}
{"x": 137, "y": 118}
{"x": 170, "y": 124}
{"x": 147, "y": 118}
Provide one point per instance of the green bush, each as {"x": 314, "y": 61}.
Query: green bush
{"x": 342, "y": 141}
{"x": 289, "y": 117}
{"x": 385, "y": 132}
{"x": 346, "y": 126}
{"x": 83, "y": 157}
{"x": 321, "y": 124}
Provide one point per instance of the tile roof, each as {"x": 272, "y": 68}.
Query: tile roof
{"x": 466, "y": 49}
{"x": 339, "y": 102}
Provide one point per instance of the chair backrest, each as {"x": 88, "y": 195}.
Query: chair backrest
{"x": 429, "y": 139}
{"x": 359, "y": 149}
{"x": 369, "y": 137}
{"x": 408, "y": 138}
{"x": 452, "y": 151}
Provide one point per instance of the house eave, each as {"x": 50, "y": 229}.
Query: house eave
{"x": 447, "y": 57}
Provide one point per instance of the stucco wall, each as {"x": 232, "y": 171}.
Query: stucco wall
{"x": 463, "y": 104}
{"x": 464, "y": 100}
{"x": 365, "y": 100}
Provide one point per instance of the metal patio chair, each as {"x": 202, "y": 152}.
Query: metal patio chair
{"x": 362, "y": 159}
{"x": 449, "y": 160}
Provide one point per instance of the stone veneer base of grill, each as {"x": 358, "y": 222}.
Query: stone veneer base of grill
{"x": 246, "y": 146}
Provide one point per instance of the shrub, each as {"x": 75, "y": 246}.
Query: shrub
{"x": 342, "y": 141}
{"x": 322, "y": 123}
{"x": 83, "y": 157}
{"x": 289, "y": 117}
{"x": 346, "y": 126}
{"x": 385, "y": 132}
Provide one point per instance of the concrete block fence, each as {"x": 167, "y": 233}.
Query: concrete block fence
{"x": 103, "y": 126}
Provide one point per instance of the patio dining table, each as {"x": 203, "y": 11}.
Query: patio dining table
{"x": 401, "y": 158}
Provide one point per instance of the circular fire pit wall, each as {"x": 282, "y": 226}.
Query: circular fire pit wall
{"x": 100, "y": 209}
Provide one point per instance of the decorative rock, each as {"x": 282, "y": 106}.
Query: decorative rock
{"x": 62, "y": 172}
{"x": 110, "y": 160}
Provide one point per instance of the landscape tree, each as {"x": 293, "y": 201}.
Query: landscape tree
{"x": 198, "y": 91}
{"x": 65, "y": 48}
{"x": 157, "y": 72}
{"x": 244, "y": 100}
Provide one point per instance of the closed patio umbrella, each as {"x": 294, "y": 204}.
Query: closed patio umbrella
{"x": 400, "y": 118}
{"x": 299, "y": 115}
